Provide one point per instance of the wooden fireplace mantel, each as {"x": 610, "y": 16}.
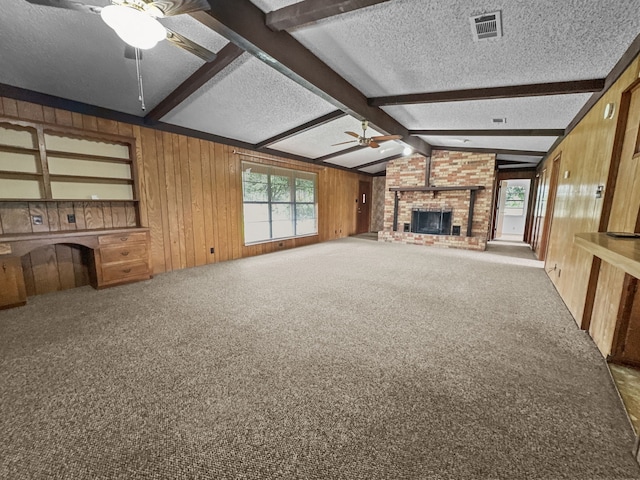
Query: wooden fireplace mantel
{"x": 436, "y": 189}
{"x": 472, "y": 189}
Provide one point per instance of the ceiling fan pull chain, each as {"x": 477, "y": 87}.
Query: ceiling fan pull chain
{"x": 140, "y": 89}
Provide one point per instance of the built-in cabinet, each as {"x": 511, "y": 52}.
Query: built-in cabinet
{"x": 69, "y": 210}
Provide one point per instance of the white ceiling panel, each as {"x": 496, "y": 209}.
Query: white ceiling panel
{"x": 366, "y": 155}
{"x": 269, "y": 5}
{"x": 248, "y": 101}
{"x": 75, "y": 55}
{"x": 553, "y": 111}
{"x": 408, "y": 46}
{"x": 317, "y": 142}
{"x": 540, "y": 144}
{"x": 375, "y": 168}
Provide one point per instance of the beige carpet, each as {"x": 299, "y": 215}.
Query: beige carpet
{"x": 350, "y": 359}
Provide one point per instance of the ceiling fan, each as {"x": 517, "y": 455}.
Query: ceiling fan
{"x": 363, "y": 141}
{"x": 136, "y": 21}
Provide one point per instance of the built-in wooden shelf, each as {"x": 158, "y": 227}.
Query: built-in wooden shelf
{"x": 623, "y": 253}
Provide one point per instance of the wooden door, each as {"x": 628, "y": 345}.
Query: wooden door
{"x": 548, "y": 210}
{"x": 541, "y": 203}
{"x": 363, "y": 203}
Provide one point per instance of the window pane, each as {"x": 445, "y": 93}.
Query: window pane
{"x": 281, "y": 219}
{"x": 254, "y": 186}
{"x": 305, "y": 190}
{"x": 306, "y": 219}
{"x": 280, "y": 211}
{"x": 255, "y": 232}
{"x": 256, "y": 212}
{"x": 280, "y": 188}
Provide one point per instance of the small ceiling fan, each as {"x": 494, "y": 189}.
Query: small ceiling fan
{"x": 136, "y": 21}
{"x": 363, "y": 141}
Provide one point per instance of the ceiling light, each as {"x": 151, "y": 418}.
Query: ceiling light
{"x": 133, "y": 26}
{"x": 407, "y": 151}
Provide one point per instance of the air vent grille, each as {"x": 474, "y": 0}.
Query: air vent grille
{"x": 488, "y": 25}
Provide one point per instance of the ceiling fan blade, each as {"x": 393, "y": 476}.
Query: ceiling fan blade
{"x": 353, "y": 134}
{"x": 384, "y": 138}
{"x": 178, "y": 7}
{"x": 373, "y": 144}
{"x": 189, "y": 46}
{"x": 67, "y": 5}
{"x": 342, "y": 143}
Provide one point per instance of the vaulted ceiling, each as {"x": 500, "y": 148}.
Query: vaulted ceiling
{"x": 292, "y": 77}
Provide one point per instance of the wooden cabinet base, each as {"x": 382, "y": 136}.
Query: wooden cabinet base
{"x": 118, "y": 256}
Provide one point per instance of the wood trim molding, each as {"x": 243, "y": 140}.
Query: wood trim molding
{"x": 308, "y": 11}
{"x": 340, "y": 153}
{"x": 539, "y": 132}
{"x": 497, "y": 151}
{"x": 301, "y": 128}
{"x": 379, "y": 161}
{"x": 627, "y": 58}
{"x": 514, "y": 91}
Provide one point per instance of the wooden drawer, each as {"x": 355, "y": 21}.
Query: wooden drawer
{"x": 122, "y": 272}
{"x": 124, "y": 253}
{"x": 122, "y": 238}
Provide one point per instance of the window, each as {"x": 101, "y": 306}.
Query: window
{"x": 278, "y": 203}
{"x": 514, "y": 200}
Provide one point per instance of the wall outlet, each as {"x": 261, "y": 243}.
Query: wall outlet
{"x": 212, "y": 250}
{"x": 71, "y": 218}
{"x": 36, "y": 219}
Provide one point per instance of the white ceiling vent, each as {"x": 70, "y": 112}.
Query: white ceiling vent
{"x": 487, "y": 25}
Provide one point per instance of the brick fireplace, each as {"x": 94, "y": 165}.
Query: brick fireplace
{"x": 452, "y": 210}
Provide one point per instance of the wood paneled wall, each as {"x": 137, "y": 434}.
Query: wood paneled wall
{"x": 586, "y": 155}
{"x": 191, "y": 194}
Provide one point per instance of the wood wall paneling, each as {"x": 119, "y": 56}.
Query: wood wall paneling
{"x": 190, "y": 196}
{"x": 586, "y": 155}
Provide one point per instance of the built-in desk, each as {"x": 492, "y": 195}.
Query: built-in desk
{"x": 118, "y": 256}
{"x": 623, "y": 253}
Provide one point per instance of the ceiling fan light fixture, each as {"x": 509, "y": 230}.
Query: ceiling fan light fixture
{"x": 133, "y": 26}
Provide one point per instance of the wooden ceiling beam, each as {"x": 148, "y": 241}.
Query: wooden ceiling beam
{"x": 379, "y": 161}
{"x": 538, "y": 132}
{"x": 206, "y": 72}
{"x": 339, "y": 154}
{"x": 241, "y": 22}
{"x": 309, "y": 11}
{"x": 497, "y": 151}
{"x": 301, "y": 128}
{"x": 514, "y": 91}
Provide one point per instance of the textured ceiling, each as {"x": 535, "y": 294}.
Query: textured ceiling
{"x": 248, "y": 101}
{"x": 555, "y": 111}
{"x": 407, "y": 46}
{"x": 319, "y": 141}
{"x": 395, "y": 47}
{"x": 74, "y": 55}
{"x": 517, "y": 143}
{"x": 367, "y": 154}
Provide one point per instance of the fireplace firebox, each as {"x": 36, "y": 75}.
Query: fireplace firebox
{"x": 431, "y": 222}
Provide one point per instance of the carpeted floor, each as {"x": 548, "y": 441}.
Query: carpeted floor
{"x": 350, "y": 359}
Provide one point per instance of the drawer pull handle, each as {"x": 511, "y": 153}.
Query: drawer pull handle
{"x": 125, "y": 253}
{"x": 124, "y": 239}
{"x": 126, "y": 270}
